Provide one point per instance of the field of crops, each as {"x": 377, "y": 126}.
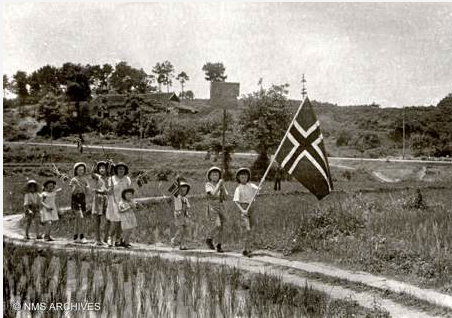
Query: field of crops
{"x": 152, "y": 287}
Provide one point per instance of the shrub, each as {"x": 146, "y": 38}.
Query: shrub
{"x": 343, "y": 139}
{"x": 158, "y": 140}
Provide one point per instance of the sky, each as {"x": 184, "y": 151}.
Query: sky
{"x": 394, "y": 54}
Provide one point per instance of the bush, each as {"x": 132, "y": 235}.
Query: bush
{"x": 158, "y": 140}
{"x": 343, "y": 139}
{"x": 163, "y": 175}
{"x": 259, "y": 166}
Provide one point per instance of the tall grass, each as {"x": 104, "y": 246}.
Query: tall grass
{"x": 151, "y": 286}
{"x": 377, "y": 232}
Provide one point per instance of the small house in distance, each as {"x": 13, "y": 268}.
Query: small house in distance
{"x": 111, "y": 105}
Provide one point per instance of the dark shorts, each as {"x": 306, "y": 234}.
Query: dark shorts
{"x": 78, "y": 202}
{"x": 35, "y": 209}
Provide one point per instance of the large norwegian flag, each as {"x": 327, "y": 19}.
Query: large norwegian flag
{"x": 302, "y": 152}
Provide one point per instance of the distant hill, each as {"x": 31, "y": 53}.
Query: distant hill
{"x": 431, "y": 123}
{"x": 366, "y": 130}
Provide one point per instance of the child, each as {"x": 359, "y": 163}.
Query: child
{"x": 181, "y": 215}
{"x": 243, "y": 196}
{"x": 79, "y": 189}
{"x": 216, "y": 195}
{"x": 49, "y": 211}
{"x": 127, "y": 208}
{"x": 32, "y": 202}
{"x": 116, "y": 184}
{"x": 99, "y": 208}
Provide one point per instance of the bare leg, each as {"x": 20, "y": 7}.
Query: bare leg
{"x": 48, "y": 225}
{"x": 176, "y": 238}
{"x": 183, "y": 233}
{"x": 107, "y": 229}
{"x": 28, "y": 225}
{"x": 127, "y": 236}
{"x": 118, "y": 232}
{"x": 37, "y": 228}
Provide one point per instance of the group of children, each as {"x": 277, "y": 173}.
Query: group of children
{"x": 113, "y": 193}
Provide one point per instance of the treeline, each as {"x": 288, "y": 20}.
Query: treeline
{"x": 87, "y": 79}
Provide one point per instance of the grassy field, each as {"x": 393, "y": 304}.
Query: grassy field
{"x": 125, "y": 286}
{"x": 366, "y": 224}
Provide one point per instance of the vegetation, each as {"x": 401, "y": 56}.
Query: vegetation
{"x": 364, "y": 225}
{"x": 152, "y": 286}
{"x": 214, "y": 72}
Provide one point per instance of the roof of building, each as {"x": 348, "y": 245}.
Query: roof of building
{"x": 118, "y": 100}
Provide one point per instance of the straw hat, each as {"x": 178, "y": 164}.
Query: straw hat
{"x": 47, "y": 182}
{"x": 78, "y": 164}
{"x": 212, "y": 170}
{"x": 185, "y": 184}
{"x": 119, "y": 164}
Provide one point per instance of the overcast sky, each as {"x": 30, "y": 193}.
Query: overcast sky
{"x": 355, "y": 53}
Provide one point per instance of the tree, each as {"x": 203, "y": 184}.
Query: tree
{"x": 446, "y": 102}
{"x": 182, "y": 77}
{"x": 77, "y": 90}
{"x": 264, "y": 120}
{"x": 6, "y": 84}
{"x": 53, "y": 110}
{"x": 189, "y": 95}
{"x": 20, "y": 86}
{"x": 99, "y": 77}
{"x": 126, "y": 79}
{"x": 164, "y": 72}
{"x": 43, "y": 80}
{"x": 214, "y": 72}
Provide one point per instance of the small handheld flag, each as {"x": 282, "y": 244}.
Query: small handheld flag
{"x": 302, "y": 152}
{"x": 174, "y": 187}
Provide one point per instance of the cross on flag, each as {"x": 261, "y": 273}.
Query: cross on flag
{"x": 302, "y": 152}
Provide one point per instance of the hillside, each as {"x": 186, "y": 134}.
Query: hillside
{"x": 428, "y": 130}
{"x": 367, "y": 131}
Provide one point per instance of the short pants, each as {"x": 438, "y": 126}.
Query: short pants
{"x": 78, "y": 202}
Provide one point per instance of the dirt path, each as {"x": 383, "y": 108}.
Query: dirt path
{"x": 384, "y": 178}
{"x": 293, "y": 272}
{"x": 240, "y": 154}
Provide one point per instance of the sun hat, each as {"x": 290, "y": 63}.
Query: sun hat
{"x": 119, "y": 164}
{"x": 185, "y": 184}
{"x": 78, "y": 164}
{"x": 47, "y": 182}
{"x": 31, "y": 182}
{"x": 212, "y": 169}
{"x": 123, "y": 193}
{"x": 243, "y": 170}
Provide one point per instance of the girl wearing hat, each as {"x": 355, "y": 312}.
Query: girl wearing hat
{"x": 49, "y": 211}
{"x": 216, "y": 195}
{"x": 79, "y": 187}
{"x": 116, "y": 184}
{"x": 243, "y": 196}
{"x": 99, "y": 208}
{"x": 127, "y": 208}
{"x": 32, "y": 202}
{"x": 181, "y": 215}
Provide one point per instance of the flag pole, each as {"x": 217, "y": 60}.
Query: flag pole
{"x": 274, "y": 156}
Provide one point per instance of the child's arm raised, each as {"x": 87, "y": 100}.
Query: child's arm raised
{"x": 218, "y": 187}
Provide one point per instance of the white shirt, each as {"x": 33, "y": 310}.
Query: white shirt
{"x": 210, "y": 188}
{"x": 179, "y": 203}
{"x": 244, "y": 193}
